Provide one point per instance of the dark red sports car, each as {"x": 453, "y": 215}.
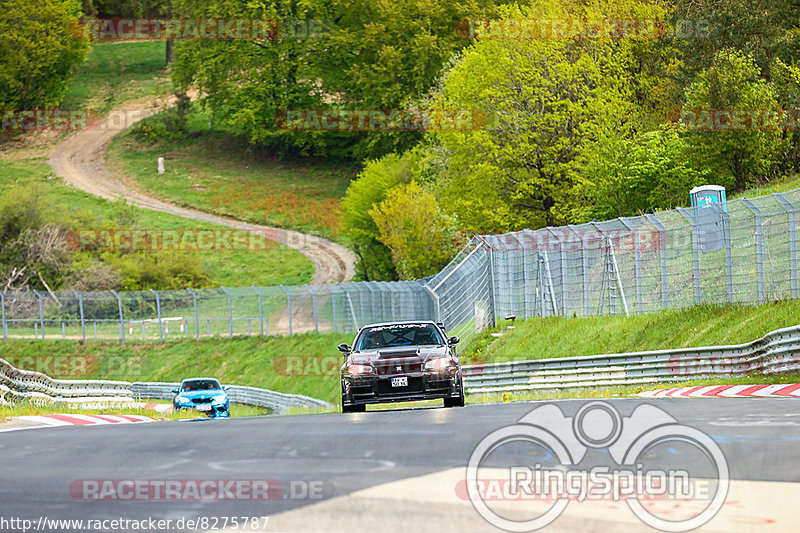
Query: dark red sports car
{"x": 399, "y": 362}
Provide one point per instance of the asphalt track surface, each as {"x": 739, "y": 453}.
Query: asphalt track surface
{"x": 393, "y": 470}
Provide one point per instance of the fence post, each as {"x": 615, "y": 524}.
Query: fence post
{"x": 728, "y": 257}
{"x": 663, "y": 247}
{"x": 41, "y": 311}
{"x": 158, "y": 314}
{"x": 80, "y": 308}
{"x": 260, "y": 308}
{"x": 695, "y": 252}
{"x": 562, "y": 257}
{"x": 196, "y": 318}
{"x": 759, "y": 248}
{"x": 435, "y": 298}
{"x": 637, "y": 265}
{"x": 121, "y": 319}
{"x": 492, "y": 295}
{"x": 314, "y": 304}
{"x": 3, "y": 311}
{"x": 333, "y": 307}
{"x": 288, "y": 306}
{"x": 230, "y": 312}
{"x": 792, "y": 242}
{"x": 584, "y": 270}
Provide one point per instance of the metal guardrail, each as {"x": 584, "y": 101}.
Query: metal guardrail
{"x": 277, "y": 402}
{"x": 17, "y": 384}
{"x": 777, "y": 352}
{"x": 35, "y": 386}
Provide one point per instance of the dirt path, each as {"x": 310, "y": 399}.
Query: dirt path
{"x": 81, "y": 161}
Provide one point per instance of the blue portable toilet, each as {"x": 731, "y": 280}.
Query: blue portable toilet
{"x": 708, "y": 194}
{"x": 711, "y": 227}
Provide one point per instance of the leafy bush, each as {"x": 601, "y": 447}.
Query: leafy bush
{"x": 418, "y": 233}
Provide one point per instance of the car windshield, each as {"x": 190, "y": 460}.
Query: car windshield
{"x": 398, "y": 335}
{"x": 201, "y": 384}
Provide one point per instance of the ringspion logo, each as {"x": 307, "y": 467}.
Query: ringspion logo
{"x": 672, "y": 477}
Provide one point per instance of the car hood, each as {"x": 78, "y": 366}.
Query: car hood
{"x": 419, "y": 353}
{"x": 203, "y": 394}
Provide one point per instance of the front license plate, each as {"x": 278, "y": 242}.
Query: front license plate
{"x": 203, "y": 407}
{"x": 400, "y": 382}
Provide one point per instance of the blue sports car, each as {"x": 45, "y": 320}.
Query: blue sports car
{"x": 205, "y": 395}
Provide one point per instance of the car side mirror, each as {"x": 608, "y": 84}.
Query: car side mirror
{"x": 175, "y": 391}
{"x": 344, "y": 348}
{"x": 225, "y": 387}
{"x": 453, "y": 340}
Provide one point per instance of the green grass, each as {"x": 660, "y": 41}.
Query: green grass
{"x": 253, "y": 361}
{"x": 697, "y": 326}
{"x": 115, "y": 73}
{"x": 215, "y": 170}
{"x": 277, "y": 264}
{"x": 787, "y": 184}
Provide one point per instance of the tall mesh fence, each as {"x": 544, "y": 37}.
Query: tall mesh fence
{"x": 745, "y": 254}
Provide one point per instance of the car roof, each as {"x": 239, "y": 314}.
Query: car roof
{"x": 199, "y": 379}
{"x": 397, "y": 322}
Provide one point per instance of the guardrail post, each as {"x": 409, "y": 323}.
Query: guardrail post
{"x": 3, "y": 312}
{"x": 288, "y": 306}
{"x": 260, "y": 308}
{"x": 759, "y": 248}
{"x": 314, "y": 304}
{"x": 80, "y": 308}
{"x": 230, "y": 312}
{"x": 158, "y": 314}
{"x": 196, "y": 317}
{"x": 663, "y": 247}
{"x": 695, "y": 253}
{"x": 41, "y": 311}
{"x": 792, "y": 242}
{"x": 121, "y": 319}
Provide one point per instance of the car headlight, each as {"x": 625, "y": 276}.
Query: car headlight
{"x": 439, "y": 364}
{"x": 356, "y": 369}
{"x": 182, "y": 399}
{"x": 219, "y": 399}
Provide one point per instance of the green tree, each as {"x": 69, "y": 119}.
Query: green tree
{"x": 630, "y": 177}
{"x": 736, "y": 156}
{"x": 38, "y": 54}
{"x": 546, "y": 99}
{"x": 418, "y": 233}
{"x": 364, "y": 193}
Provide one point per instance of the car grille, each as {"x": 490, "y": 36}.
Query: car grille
{"x": 203, "y": 400}
{"x": 397, "y": 367}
